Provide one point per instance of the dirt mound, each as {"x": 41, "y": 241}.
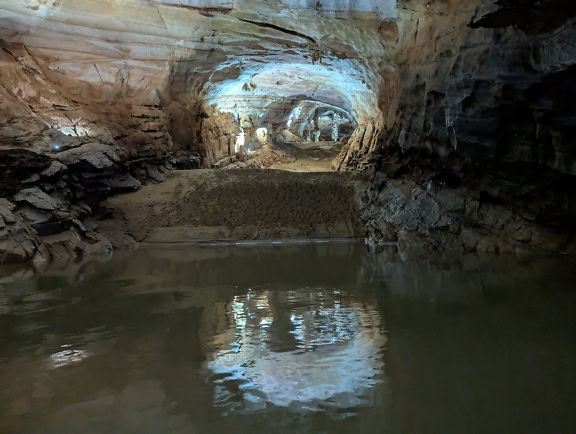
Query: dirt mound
{"x": 244, "y": 204}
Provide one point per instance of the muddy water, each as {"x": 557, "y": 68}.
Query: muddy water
{"x": 297, "y": 338}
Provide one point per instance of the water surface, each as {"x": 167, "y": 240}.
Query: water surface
{"x": 289, "y": 338}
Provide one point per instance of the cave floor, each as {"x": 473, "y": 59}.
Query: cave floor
{"x": 316, "y": 159}
{"x": 241, "y": 204}
{"x": 310, "y": 164}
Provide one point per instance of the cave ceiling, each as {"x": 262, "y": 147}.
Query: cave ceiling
{"x": 235, "y": 56}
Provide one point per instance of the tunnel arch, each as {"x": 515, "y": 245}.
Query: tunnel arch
{"x": 258, "y": 95}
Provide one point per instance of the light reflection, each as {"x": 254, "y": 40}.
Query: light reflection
{"x": 262, "y": 135}
{"x": 240, "y": 141}
{"x": 307, "y": 350}
{"x": 74, "y": 130}
{"x": 67, "y": 357}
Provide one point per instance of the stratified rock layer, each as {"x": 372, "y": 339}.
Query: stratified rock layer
{"x": 478, "y": 133}
{"x": 463, "y": 109}
{"x": 49, "y": 205}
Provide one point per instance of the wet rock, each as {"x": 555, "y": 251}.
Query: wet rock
{"x": 13, "y": 251}
{"x": 6, "y": 208}
{"x": 97, "y": 245}
{"x": 18, "y": 241}
{"x": 64, "y": 245}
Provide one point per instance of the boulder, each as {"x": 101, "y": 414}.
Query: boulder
{"x": 54, "y": 169}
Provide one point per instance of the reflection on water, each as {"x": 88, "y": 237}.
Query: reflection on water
{"x": 67, "y": 357}
{"x": 309, "y": 338}
{"x": 309, "y": 349}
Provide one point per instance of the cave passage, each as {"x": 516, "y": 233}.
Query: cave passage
{"x": 446, "y": 124}
{"x": 287, "y": 216}
{"x": 305, "y": 112}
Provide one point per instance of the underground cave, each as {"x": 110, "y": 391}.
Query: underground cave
{"x": 290, "y": 215}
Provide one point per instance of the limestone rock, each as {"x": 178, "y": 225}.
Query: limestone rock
{"x": 55, "y": 169}
{"x": 18, "y": 166}
{"x": 468, "y": 102}
{"x": 18, "y": 241}
{"x": 91, "y": 155}
{"x": 37, "y": 198}
{"x": 121, "y": 183}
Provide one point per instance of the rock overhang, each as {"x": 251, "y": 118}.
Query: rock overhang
{"x": 259, "y": 85}
{"x": 243, "y": 53}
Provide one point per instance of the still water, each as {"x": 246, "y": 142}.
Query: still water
{"x": 289, "y": 338}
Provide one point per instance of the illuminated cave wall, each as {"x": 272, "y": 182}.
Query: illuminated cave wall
{"x": 165, "y": 75}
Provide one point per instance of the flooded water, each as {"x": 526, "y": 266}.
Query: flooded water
{"x": 289, "y": 338}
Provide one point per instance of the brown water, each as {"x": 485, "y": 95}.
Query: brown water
{"x": 289, "y": 338}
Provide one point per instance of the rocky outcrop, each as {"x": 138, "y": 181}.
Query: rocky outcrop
{"x": 50, "y": 205}
{"x": 206, "y": 71}
{"x": 463, "y": 109}
{"x": 421, "y": 200}
{"x": 476, "y": 149}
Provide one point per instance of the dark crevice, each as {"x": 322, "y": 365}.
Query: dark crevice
{"x": 280, "y": 29}
{"x": 531, "y": 16}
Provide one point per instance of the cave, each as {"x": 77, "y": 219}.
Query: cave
{"x": 290, "y": 215}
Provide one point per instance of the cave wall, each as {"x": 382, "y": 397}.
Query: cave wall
{"x": 99, "y": 97}
{"x": 191, "y": 61}
{"x": 476, "y": 150}
{"x": 464, "y": 108}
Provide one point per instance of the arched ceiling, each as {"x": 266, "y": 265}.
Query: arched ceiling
{"x": 236, "y": 54}
{"x": 341, "y": 83}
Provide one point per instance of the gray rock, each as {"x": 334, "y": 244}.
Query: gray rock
{"x": 37, "y": 198}
{"x": 55, "y": 168}
{"x": 18, "y": 241}
{"x": 80, "y": 225}
{"x": 123, "y": 183}
{"x": 31, "y": 179}
{"x": 6, "y": 209}
{"x": 15, "y": 252}
{"x": 97, "y": 155}
{"x": 5, "y": 204}
{"x": 155, "y": 174}
{"x": 34, "y": 216}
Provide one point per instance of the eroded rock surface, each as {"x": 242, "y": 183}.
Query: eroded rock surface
{"x": 481, "y": 112}
{"x": 462, "y": 110}
{"x": 50, "y": 205}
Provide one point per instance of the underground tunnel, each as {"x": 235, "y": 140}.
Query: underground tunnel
{"x": 289, "y": 215}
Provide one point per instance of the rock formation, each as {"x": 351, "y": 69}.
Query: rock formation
{"x": 477, "y": 152}
{"x": 463, "y": 110}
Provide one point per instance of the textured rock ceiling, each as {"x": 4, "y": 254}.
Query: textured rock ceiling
{"x": 464, "y": 109}
{"x": 238, "y": 56}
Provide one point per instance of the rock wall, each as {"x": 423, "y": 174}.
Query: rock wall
{"x": 99, "y": 96}
{"x": 464, "y": 109}
{"x": 50, "y": 206}
{"x": 96, "y": 62}
{"x": 477, "y": 147}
